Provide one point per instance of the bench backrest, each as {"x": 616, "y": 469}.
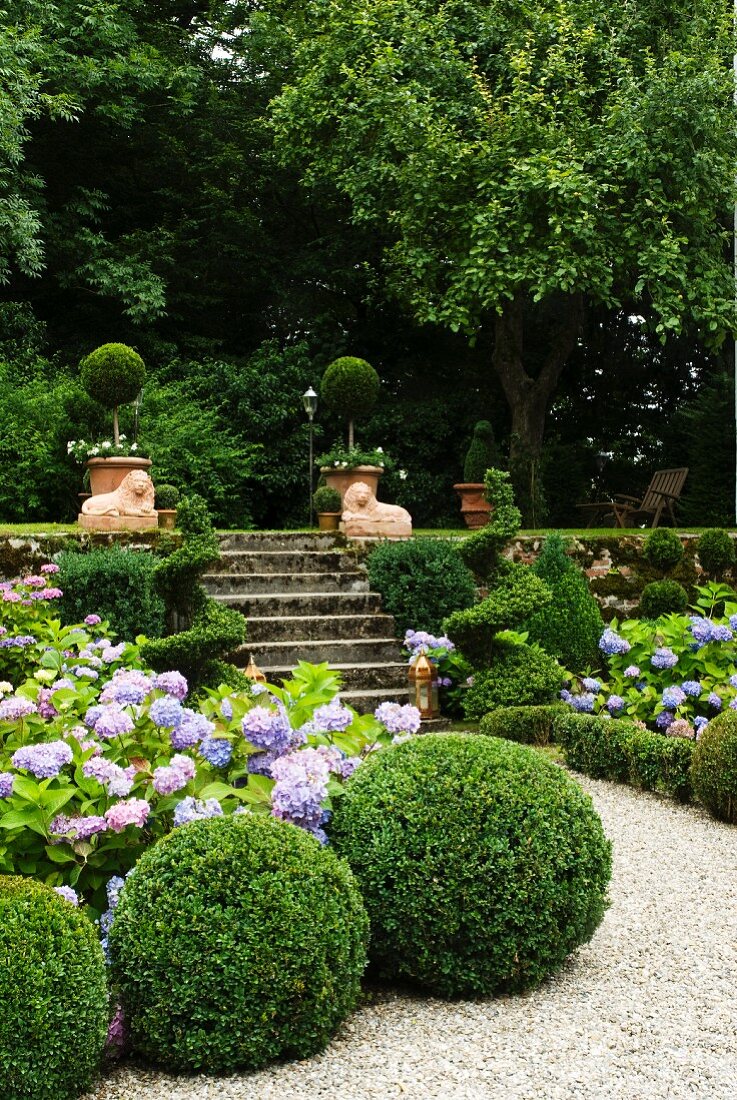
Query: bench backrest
{"x": 663, "y": 481}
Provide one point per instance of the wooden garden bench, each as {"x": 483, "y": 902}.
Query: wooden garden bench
{"x": 660, "y": 496}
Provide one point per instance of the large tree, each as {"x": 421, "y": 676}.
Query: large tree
{"x": 528, "y": 160}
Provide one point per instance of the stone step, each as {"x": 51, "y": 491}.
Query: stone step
{"x": 354, "y": 677}
{"x": 365, "y": 702}
{"x": 293, "y": 541}
{"x": 234, "y": 584}
{"x": 267, "y": 605}
{"x": 286, "y": 561}
{"x": 297, "y": 628}
{"x": 336, "y": 651}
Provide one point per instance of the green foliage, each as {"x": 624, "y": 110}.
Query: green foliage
{"x": 663, "y": 548}
{"x": 350, "y": 387}
{"x": 53, "y": 991}
{"x": 716, "y": 551}
{"x": 715, "y": 767}
{"x": 620, "y": 750}
{"x": 481, "y": 551}
{"x": 516, "y": 595}
{"x": 215, "y": 631}
{"x": 481, "y": 864}
{"x": 326, "y": 500}
{"x": 526, "y": 725}
{"x": 658, "y": 598}
{"x": 167, "y": 496}
{"x": 254, "y": 902}
{"x": 482, "y": 454}
{"x": 115, "y": 583}
{"x": 113, "y": 374}
{"x": 421, "y": 581}
{"x": 708, "y": 497}
{"x": 570, "y": 626}
{"x": 519, "y": 675}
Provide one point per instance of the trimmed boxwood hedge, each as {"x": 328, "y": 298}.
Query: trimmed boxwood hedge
{"x": 617, "y": 749}
{"x": 526, "y": 725}
{"x": 715, "y": 767}
{"x": 482, "y": 865}
{"x": 53, "y": 994}
{"x": 237, "y": 941}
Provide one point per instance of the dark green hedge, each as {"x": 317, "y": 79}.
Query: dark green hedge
{"x": 715, "y": 767}
{"x": 526, "y": 725}
{"x": 617, "y": 749}
{"x": 482, "y": 865}
{"x": 238, "y": 941}
{"x": 117, "y": 584}
{"x": 53, "y": 994}
{"x": 421, "y": 581}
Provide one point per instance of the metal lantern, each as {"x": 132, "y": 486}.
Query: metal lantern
{"x": 421, "y": 677}
{"x": 253, "y": 672}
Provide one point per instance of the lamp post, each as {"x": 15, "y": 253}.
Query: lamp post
{"x": 309, "y": 400}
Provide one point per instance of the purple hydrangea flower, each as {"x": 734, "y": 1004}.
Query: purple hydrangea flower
{"x": 590, "y": 683}
{"x": 194, "y": 809}
{"x": 166, "y": 713}
{"x": 111, "y": 653}
{"x": 614, "y": 703}
{"x": 6, "y": 784}
{"x": 714, "y": 701}
{"x": 68, "y": 894}
{"x": 45, "y": 760}
{"x": 166, "y": 780}
{"x": 348, "y": 766}
{"x": 226, "y": 709}
{"x": 267, "y": 729}
{"x": 92, "y": 620}
{"x": 300, "y": 789}
{"x": 700, "y": 722}
{"x": 663, "y": 658}
{"x": 692, "y": 688}
{"x": 397, "y": 718}
{"x": 332, "y": 717}
{"x": 113, "y": 721}
{"x": 217, "y": 751}
{"x": 173, "y": 683}
{"x": 77, "y": 828}
{"x": 612, "y": 644}
{"x": 116, "y": 780}
{"x": 664, "y": 719}
{"x": 16, "y": 707}
{"x": 49, "y": 567}
{"x": 192, "y": 728}
{"x": 584, "y": 703}
{"x": 134, "y": 811}
{"x": 128, "y": 686}
{"x": 673, "y": 697}
{"x": 93, "y": 713}
{"x": 43, "y": 701}
{"x": 565, "y": 695}
{"x": 631, "y": 672}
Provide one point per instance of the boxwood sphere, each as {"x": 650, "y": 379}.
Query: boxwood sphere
{"x": 350, "y": 387}
{"x": 237, "y": 941}
{"x": 716, "y": 551}
{"x": 482, "y": 864}
{"x": 53, "y": 994}
{"x": 113, "y": 374}
{"x": 714, "y": 767}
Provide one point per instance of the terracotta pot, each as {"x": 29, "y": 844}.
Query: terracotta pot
{"x": 167, "y": 518}
{"x": 106, "y": 474}
{"x": 328, "y": 521}
{"x": 342, "y": 477}
{"x": 475, "y": 507}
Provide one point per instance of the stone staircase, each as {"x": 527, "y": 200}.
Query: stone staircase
{"x": 306, "y": 598}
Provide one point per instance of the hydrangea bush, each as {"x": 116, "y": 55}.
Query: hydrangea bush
{"x": 99, "y": 757}
{"x": 671, "y": 675}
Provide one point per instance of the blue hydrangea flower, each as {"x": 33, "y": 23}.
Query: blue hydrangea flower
{"x": 614, "y": 703}
{"x": 217, "y": 751}
{"x": 195, "y": 809}
{"x": 267, "y": 729}
{"x": 6, "y": 784}
{"x": 714, "y": 701}
{"x": 166, "y": 713}
{"x": 584, "y": 703}
{"x": 663, "y": 658}
{"x": 700, "y": 722}
{"x": 692, "y": 687}
{"x": 566, "y": 695}
{"x": 664, "y": 719}
{"x": 68, "y": 894}
{"x": 612, "y": 644}
{"x": 673, "y": 697}
{"x": 590, "y": 683}
{"x": 333, "y": 717}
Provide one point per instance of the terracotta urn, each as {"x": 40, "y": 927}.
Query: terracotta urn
{"x": 167, "y": 518}
{"x": 328, "y": 521}
{"x": 475, "y": 508}
{"x": 106, "y": 474}
{"x": 342, "y": 477}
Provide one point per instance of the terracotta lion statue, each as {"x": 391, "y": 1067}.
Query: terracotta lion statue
{"x": 133, "y": 497}
{"x": 366, "y": 517}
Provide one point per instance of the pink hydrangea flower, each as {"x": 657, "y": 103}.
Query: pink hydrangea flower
{"x": 133, "y": 811}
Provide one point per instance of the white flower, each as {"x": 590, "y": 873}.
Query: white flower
{"x": 403, "y": 475}
{"x": 134, "y": 446}
{"x": 106, "y": 444}
{"x": 94, "y": 450}
{"x": 379, "y": 450}
{"x": 336, "y": 463}
{"x": 122, "y": 437}
{"x": 5, "y": 687}
{"x": 70, "y": 446}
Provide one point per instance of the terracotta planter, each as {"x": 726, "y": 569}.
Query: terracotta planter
{"x": 475, "y": 507}
{"x": 342, "y": 477}
{"x": 167, "y": 518}
{"x": 328, "y": 521}
{"x": 106, "y": 474}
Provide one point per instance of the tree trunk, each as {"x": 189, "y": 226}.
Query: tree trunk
{"x": 529, "y": 397}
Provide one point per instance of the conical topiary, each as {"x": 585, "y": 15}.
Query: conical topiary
{"x": 570, "y": 626}
{"x": 482, "y": 454}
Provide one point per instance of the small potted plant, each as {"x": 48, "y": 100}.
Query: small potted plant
{"x": 349, "y": 387}
{"x": 328, "y": 505}
{"x": 481, "y": 456}
{"x": 167, "y": 498}
{"x": 112, "y": 374}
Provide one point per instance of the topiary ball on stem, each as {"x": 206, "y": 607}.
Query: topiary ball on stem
{"x": 714, "y": 767}
{"x": 53, "y": 994}
{"x": 349, "y": 387}
{"x": 237, "y": 941}
{"x": 482, "y": 864}
{"x": 113, "y": 374}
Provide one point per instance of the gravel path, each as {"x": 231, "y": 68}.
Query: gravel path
{"x": 647, "y": 1010}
